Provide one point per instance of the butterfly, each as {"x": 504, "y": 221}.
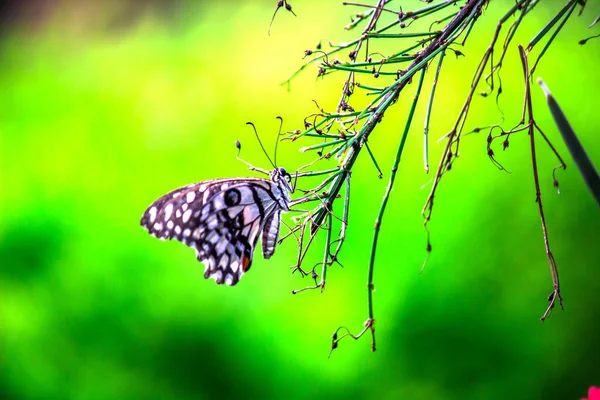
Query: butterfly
{"x": 222, "y": 219}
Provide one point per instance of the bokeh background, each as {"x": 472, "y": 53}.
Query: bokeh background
{"x": 104, "y": 106}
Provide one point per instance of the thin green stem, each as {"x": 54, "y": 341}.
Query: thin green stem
{"x": 401, "y": 35}
{"x": 428, "y": 113}
{"x": 552, "y": 37}
{"x": 386, "y": 196}
{"x": 555, "y": 295}
{"x": 571, "y": 4}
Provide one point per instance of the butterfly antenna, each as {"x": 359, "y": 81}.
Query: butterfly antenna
{"x": 277, "y": 140}
{"x": 260, "y": 142}
{"x": 250, "y": 166}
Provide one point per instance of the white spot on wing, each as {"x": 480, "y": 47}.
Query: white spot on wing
{"x": 168, "y": 211}
{"x": 190, "y": 197}
{"x": 229, "y": 279}
{"x": 217, "y": 275}
{"x": 187, "y": 232}
{"x": 158, "y": 226}
{"x": 223, "y": 261}
{"x": 186, "y": 215}
{"x": 152, "y": 214}
{"x": 170, "y": 225}
{"x": 178, "y": 213}
{"x": 235, "y": 265}
{"x": 178, "y": 229}
{"x": 184, "y": 206}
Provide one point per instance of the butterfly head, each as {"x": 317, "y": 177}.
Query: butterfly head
{"x": 282, "y": 177}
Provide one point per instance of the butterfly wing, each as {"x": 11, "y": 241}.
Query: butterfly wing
{"x": 220, "y": 219}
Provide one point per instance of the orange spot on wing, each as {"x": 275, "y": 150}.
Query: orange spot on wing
{"x": 245, "y": 263}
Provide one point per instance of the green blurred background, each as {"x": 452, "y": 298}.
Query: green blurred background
{"x": 104, "y": 106}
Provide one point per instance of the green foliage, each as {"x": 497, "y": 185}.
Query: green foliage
{"x": 105, "y": 107}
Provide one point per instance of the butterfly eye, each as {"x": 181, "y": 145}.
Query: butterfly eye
{"x": 284, "y": 174}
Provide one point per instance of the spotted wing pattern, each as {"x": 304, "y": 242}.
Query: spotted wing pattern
{"x": 222, "y": 220}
